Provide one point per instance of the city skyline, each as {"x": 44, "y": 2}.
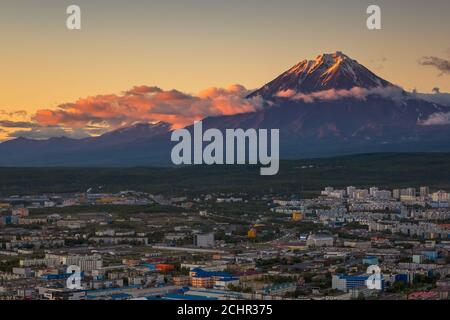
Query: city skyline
{"x": 291, "y": 247}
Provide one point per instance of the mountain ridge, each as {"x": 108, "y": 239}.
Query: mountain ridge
{"x": 319, "y": 127}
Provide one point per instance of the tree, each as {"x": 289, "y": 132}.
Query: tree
{"x": 361, "y": 296}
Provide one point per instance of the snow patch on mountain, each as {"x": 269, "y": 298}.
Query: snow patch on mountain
{"x": 393, "y": 92}
{"x": 436, "y": 119}
{"x": 327, "y": 71}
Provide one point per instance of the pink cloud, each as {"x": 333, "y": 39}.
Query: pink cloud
{"x": 149, "y": 104}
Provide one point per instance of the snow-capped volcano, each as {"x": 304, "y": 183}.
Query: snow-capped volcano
{"x": 335, "y": 124}
{"x": 327, "y": 71}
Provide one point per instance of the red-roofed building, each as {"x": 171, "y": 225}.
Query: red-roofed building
{"x": 423, "y": 295}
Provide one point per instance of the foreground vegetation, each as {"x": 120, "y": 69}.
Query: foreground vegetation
{"x": 299, "y": 176}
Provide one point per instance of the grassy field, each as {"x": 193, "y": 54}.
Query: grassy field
{"x": 300, "y": 176}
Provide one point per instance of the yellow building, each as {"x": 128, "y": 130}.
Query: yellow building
{"x": 297, "y": 216}
{"x": 251, "y": 233}
{"x": 181, "y": 281}
{"x": 202, "y": 282}
{"x": 108, "y": 200}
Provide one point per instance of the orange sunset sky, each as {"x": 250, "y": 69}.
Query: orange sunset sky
{"x": 131, "y": 54}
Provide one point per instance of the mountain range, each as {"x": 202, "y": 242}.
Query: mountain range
{"x": 331, "y": 105}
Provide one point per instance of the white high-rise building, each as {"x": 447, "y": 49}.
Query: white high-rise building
{"x": 204, "y": 240}
{"x": 372, "y": 191}
{"x": 351, "y": 191}
{"x": 382, "y": 195}
{"x": 424, "y": 191}
{"x": 396, "y": 193}
{"x": 361, "y": 194}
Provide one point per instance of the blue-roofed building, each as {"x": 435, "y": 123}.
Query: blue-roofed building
{"x": 174, "y": 296}
{"x": 223, "y": 283}
{"x": 402, "y": 278}
{"x": 198, "y": 272}
{"x": 430, "y": 255}
{"x": 149, "y": 266}
{"x": 346, "y": 282}
{"x": 58, "y": 276}
{"x": 120, "y": 296}
{"x": 6, "y": 220}
{"x": 214, "y": 294}
{"x": 208, "y": 279}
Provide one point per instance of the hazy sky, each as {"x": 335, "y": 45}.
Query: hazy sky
{"x": 194, "y": 44}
